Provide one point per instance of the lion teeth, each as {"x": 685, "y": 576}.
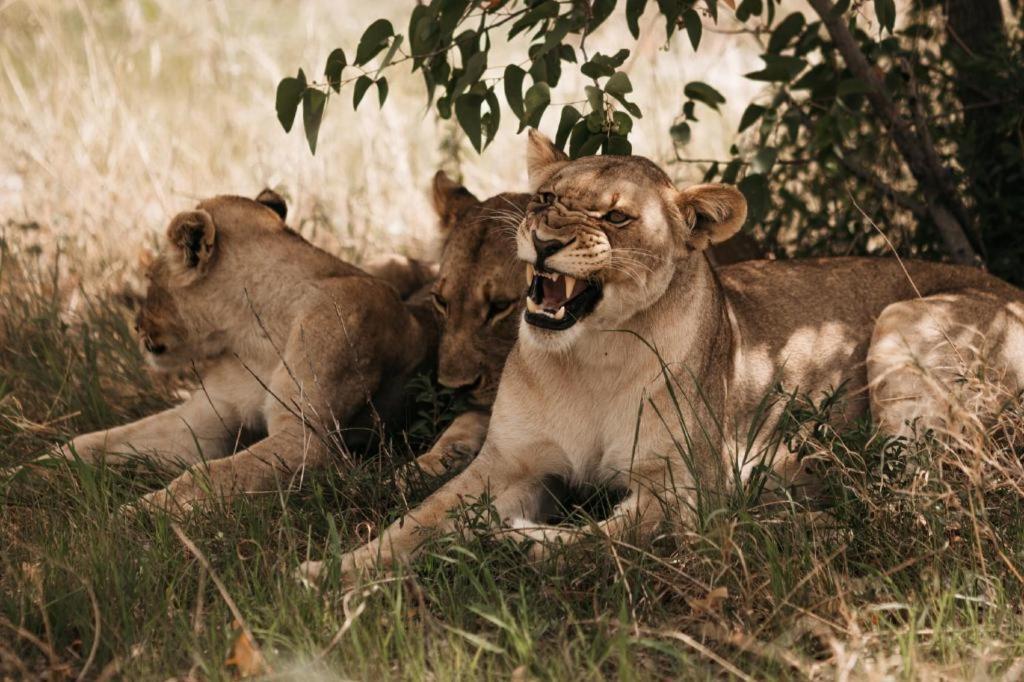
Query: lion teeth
{"x": 560, "y": 314}
{"x": 570, "y": 284}
{"x": 530, "y": 271}
{"x": 532, "y": 306}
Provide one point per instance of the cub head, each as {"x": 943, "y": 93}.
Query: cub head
{"x": 603, "y": 236}
{"x": 479, "y": 288}
{"x": 183, "y": 316}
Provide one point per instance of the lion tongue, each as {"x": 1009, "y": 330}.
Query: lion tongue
{"x": 554, "y": 293}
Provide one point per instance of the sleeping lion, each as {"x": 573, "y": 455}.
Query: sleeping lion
{"x": 638, "y": 365}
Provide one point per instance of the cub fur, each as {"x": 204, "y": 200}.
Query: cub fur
{"x": 624, "y": 311}
{"x": 285, "y": 340}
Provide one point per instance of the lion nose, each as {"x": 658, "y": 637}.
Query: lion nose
{"x": 546, "y": 248}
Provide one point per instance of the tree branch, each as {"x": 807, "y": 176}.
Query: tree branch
{"x": 934, "y": 181}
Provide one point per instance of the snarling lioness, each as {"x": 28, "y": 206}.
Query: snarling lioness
{"x": 479, "y": 294}
{"x": 286, "y": 341}
{"x": 637, "y": 364}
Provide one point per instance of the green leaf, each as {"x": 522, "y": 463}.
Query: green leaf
{"x": 885, "y": 10}
{"x": 467, "y": 113}
{"x": 580, "y": 134}
{"x": 702, "y": 92}
{"x": 289, "y": 94}
{"x": 778, "y": 68}
{"x": 785, "y": 31}
{"x": 475, "y": 67}
{"x": 694, "y": 26}
{"x": 423, "y": 30}
{"x": 618, "y": 84}
{"x": 313, "y": 102}
{"x": 680, "y": 133}
{"x": 755, "y": 189}
{"x": 750, "y": 116}
{"x": 492, "y": 120}
{"x": 382, "y": 90}
{"x": 622, "y": 123}
{"x": 748, "y": 8}
{"x": 374, "y": 39}
{"x": 601, "y": 65}
{"x": 634, "y": 10}
{"x": 537, "y": 99}
{"x": 595, "y": 98}
{"x": 618, "y": 145}
{"x": 514, "y": 89}
{"x": 599, "y": 11}
{"x": 592, "y": 144}
{"x": 565, "y": 123}
{"x": 335, "y": 63}
{"x": 362, "y": 85}
{"x": 763, "y": 160}
{"x": 395, "y": 44}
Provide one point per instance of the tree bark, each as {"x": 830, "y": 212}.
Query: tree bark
{"x": 934, "y": 181}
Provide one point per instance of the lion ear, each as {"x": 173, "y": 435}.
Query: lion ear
{"x": 543, "y": 159}
{"x": 274, "y": 201}
{"x": 451, "y": 200}
{"x": 192, "y": 233}
{"x": 713, "y": 212}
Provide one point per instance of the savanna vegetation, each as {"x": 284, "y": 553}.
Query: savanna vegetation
{"x": 861, "y": 127}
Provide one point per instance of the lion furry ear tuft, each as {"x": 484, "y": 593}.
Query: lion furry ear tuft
{"x": 714, "y": 212}
{"x": 193, "y": 233}
{"x": 451, "y": 200}
{"x": 543, "y": 159}
{"x": 274, "y": 201}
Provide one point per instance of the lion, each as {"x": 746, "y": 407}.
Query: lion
{"x": 287, "y": 341}
{"x": 479, "y": 294}
{"x": 640, "y": 366}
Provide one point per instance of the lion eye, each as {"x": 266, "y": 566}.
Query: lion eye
{"x": 497, "y": 308}
{"x": 439, "y": 302}
{"x": 616, "y": 217}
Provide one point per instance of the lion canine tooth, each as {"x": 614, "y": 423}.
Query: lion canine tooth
{"x": 532, "y": 306}
{"x": 570, "y": 284}
{"x": 529, "y": 273}
{"x": 560, "y": 314}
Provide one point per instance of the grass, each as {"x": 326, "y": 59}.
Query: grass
{"x": 912, "y": 569}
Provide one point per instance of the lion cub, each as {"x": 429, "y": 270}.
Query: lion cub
{"x": 285, "y": 339}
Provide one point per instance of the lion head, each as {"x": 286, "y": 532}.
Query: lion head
{"x": 479, "y": 288}
{"x": 194, "y": 280}
{"x": 603, "y": 237}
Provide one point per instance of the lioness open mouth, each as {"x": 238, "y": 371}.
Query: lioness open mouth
{"x": 558, "y": 301}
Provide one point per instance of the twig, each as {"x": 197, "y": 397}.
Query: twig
{"x": 204, "y": 562}
{"x": 698, "y": 647}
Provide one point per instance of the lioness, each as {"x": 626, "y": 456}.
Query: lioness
{"x": 479, "y": 294}
{"x": 637, "y": 364}
{"x": 286, "y": 340}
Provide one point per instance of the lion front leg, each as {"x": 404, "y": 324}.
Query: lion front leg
{"x": 266, "y": 466}
{"x": 454, "y": 449}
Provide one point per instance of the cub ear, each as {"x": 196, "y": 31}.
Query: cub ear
{"x": 543, "y": 159}
{"x": 713, "y": 212}
{"x": 192, "y": 233}
{"x": 274, "y": 201}
{"x": 451, "y": 200}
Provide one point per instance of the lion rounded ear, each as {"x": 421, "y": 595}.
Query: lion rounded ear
{"x": 543, "y": 159}
{"x": 274, "y": 201}
{"x": 451, "y": 200}
{"x": 193, "y": 233}
{"x": 713, "y": 212}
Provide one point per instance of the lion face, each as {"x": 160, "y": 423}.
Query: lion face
{"x": 182, "y": 318}
{"x": 602, "y": 237}
{"x": 479, "y": 288}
